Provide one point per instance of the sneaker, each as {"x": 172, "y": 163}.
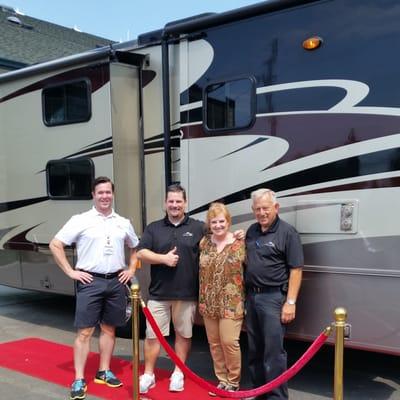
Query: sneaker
{"x": 107, "y": 378}
{"x": 221, "y": 386}
{"x": 146, "y": 382}
{"x": 78, "y": 389}
{"x": 176, "y": 382}
{"x": 231, "y": 388}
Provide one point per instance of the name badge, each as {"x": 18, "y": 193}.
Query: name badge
{"x": 108, "y": 248}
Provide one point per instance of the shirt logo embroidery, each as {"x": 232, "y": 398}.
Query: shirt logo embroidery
{"x": 187, "y": 234}
{"x": 266, "y": 244}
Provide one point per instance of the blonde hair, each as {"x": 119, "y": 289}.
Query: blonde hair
{"x": 217, "y": 209}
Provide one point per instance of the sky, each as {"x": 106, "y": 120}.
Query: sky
{"x": 119, "y": 20}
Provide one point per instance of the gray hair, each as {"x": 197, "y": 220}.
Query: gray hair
{"x": 257, "y": 194}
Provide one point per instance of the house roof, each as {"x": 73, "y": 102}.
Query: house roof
{"x": 27, "y": 40}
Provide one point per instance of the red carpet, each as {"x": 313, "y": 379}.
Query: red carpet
{"x": 52, "y": 362}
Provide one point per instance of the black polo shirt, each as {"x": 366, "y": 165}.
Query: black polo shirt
{"x": 271, "y": 254}
{"x": 180, "y": 282}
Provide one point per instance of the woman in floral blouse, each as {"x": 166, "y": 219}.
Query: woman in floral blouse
{"x": 221, "y": 295}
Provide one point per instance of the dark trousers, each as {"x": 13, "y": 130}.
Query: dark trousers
{"x": 265, "y": 332}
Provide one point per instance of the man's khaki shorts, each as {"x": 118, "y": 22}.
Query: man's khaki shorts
{"x": 183, "y": 313}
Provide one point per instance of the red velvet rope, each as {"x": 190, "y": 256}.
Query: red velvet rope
{"x": 293, "y": 370}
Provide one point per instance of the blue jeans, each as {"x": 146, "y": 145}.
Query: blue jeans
{"x": 265, "y": 333}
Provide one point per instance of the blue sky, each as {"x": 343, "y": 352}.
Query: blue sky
{"x": 120, "y": 20}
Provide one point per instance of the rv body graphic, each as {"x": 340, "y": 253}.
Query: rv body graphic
{"x": 225, "y": 104}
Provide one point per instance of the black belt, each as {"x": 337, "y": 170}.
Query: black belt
{"x": 263, "y": 289}
{"x": 111, "y": 275}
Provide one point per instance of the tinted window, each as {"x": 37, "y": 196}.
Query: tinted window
{"x": 70, "y": 179}
{"x": 230, "y": 105}
{"x": 67, "y": 103}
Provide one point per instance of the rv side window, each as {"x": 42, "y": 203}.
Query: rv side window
{"x": 230, "y": 105}
{"x": 70, "y": 179}
{"x": 67, "y": 103}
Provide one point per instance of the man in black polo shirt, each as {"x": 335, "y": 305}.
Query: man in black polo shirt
{"x": 273, "y": 278}
{"x": 171, "y": 246}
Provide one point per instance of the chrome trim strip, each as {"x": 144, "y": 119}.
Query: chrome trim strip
{"x": 352, "y": 271}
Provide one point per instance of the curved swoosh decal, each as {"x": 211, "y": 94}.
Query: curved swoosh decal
{"x": 12, "y": 205}
{"x": 366, "y": 164}
{"x": 98, "y": 77}
{"x": 20, "y": 242}
{"x": 4, "y": 232}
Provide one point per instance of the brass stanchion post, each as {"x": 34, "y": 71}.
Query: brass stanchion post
{"x": 135, "y": 295}
{"x": 340, "y": 323}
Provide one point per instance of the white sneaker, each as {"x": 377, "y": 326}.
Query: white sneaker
{"x": 146, "y": 382}
{"x": 177, "y": 382}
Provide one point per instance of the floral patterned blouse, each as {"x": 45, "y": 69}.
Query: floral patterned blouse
{"x": 221, "y": 293}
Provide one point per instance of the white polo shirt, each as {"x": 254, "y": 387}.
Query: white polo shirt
{"x": 99, "y": 240}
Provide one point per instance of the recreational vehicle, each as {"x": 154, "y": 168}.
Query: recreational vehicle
{"x": 300, "y": 96}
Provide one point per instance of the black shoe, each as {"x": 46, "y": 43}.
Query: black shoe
{"x": 78, "y": 390}
{"x": 107, "y": 378}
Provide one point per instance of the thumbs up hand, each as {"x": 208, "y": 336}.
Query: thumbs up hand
{"x": 171, "y": 258}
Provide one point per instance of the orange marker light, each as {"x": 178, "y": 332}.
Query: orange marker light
{"x": 312, "y": 43}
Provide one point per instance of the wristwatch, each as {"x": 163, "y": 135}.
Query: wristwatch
{"x": 291, "y": 302}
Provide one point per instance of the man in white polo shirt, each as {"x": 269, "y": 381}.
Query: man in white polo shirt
{"x": 100, "y": 274}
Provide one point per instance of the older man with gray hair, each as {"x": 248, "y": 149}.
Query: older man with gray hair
{"x": 273, "y": 278}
